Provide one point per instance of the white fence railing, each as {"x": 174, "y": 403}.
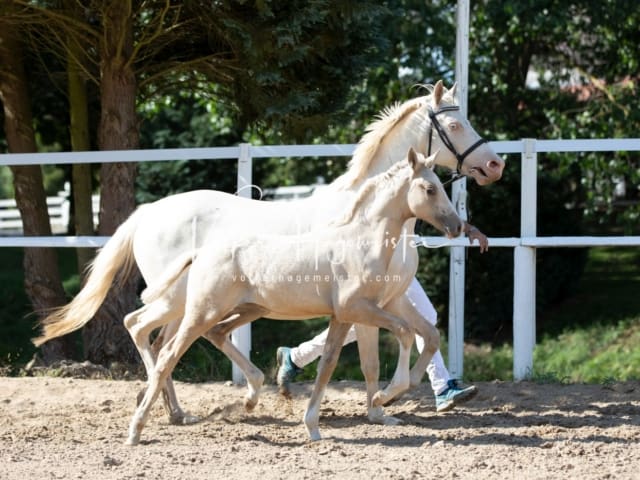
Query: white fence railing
{"x": 524, "y": 319}
{"x": 59, "y": 208}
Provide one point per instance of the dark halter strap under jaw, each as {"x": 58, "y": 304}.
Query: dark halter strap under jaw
{"x": 444, "y": 138}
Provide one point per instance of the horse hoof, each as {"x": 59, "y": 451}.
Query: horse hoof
{"x": 391, "y": 421}
{"x": 380, "y": 418}
{"x": 250, "y": 404}
{"x": 183, "y": 419}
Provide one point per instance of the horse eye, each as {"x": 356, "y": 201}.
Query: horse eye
{"x": 454, "y": 126}
{"x": 430, "y": 190}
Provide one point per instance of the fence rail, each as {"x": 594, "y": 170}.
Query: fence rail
{"x": 525, "y": 246}
{"x": 58, "y": 207}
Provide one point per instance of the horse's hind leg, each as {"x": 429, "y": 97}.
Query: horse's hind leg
{"x": 140, "y": 324}
{"x": 219, "y": 336}
{"x": 190, "y": 329}
{"x": 326, "y": 366}
{"x": 177, "y": 416}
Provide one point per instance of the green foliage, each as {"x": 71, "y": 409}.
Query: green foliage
{"x": 186, "y": 120}
{"x": 6, "y": 182}
{"x": 15, "y": 326}
{"x": 278, "y": 63}
{"x": 484, "y": 363}
{"x": 594, "y": 354}
{"x": 592, "y": 336}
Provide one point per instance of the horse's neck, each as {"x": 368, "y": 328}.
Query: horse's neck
{"x": 410, "y": 132}
{"x": 388, "y": 208}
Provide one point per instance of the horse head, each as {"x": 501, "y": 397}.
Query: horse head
{"x": 427, "y": 198}
{"x": 466, "y": 151}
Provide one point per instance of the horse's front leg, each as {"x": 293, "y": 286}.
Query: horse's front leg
{"x": 326, "y": 366}
{"x": 370, "y": 366}
{"x": 367, "y": 312}
{"x": 402, "y": 307}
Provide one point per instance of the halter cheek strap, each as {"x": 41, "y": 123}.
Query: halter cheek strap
{"x": 444, "y": 138}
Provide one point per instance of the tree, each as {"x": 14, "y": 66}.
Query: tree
{"x": 260, "y": 57}
{"x": 105, "y": 338}
{"x": 80, "y": 137}
{"x": 42, "y": 279}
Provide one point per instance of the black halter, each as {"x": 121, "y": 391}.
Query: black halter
{"x": 447, "y": 141}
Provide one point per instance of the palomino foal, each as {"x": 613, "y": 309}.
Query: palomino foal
{"x": 341, "y": 270}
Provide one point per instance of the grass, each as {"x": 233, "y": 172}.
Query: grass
{"x": 593, "y": 336}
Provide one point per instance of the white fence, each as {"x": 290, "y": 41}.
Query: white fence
{"x": 524, "y": 313}
{"x": 59, "y": 208}
{"x": 11, "y": 221}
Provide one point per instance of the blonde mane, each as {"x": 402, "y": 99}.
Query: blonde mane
{"x": 376, "y": 133}
{"x": 368, "y": 187}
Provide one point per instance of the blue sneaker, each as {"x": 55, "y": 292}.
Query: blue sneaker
{"x": 454, "y": 395}
{"x": 287, "y": 370}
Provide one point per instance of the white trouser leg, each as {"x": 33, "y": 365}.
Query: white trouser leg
{"x": 436, "y": 370}
{"x": 307, "y": 352}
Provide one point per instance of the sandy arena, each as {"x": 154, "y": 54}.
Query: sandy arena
{"x": 54, "y": 428}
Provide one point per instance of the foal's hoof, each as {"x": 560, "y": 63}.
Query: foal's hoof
{"x": 183, "y": 418}
{"x": 314, "y": 434}
{"x": 387, "y": 420}
{"x": 379, "y": 418}
{"x": 250, "y": 404}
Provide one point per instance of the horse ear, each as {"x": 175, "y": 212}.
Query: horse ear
{"x": 438, "y": 92}
{"x": 430, "y": 162}
{"x": 412, "y": 158}
{"x": 452, "y": 92}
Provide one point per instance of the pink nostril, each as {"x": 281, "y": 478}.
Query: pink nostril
{"x": 494, "y": 165}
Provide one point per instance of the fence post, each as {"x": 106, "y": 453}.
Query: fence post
{"x": 524, "y": 269}
{"x": 457, "y": 273}
{"x": 459, "y": 197}
{"x": 241, "y": 337}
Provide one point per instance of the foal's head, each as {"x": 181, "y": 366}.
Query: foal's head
{"x": 427, "y": 198}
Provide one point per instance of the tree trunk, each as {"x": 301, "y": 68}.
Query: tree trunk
{"x": 81, "y": 172}
{"x": 106, "y": 339}
{"x": 42, "y": 278}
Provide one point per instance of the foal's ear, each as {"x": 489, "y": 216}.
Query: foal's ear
{"x": 412, "y": 158}
{"x": 438, "y": 92}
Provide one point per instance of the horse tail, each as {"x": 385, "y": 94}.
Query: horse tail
{"x": 114, "y": 258}
{"x": 171, "y": 274}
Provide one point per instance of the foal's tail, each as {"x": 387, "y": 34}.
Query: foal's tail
{"x": 171, "y": 274}
{"x": 116, "y": 256}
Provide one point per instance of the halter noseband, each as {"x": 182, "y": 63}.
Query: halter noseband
{"x": 447, "y": 141}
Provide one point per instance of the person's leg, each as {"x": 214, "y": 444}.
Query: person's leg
{"x": 308, "y": 351}
{"x": 446, "y": 389}
{"x": 437, "y": 372}
{"x": 291, "y": 361}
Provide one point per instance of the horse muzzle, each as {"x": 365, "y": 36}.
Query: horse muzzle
{"x": 452, "y": 226}
{"x": 488, "y": 173}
